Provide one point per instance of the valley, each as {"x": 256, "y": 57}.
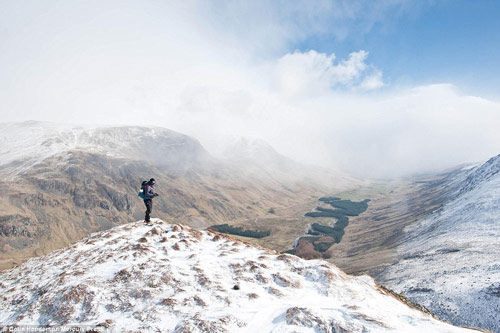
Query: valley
{"x": 434, "y": 239}
{"x": 250, "y": 166}
{"x": 63, "y": 183}
{"x": 69, "y": 183}
{"x": 371, "y": 239}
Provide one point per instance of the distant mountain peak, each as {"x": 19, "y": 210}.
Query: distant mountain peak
{"x": 28, "y": 143}
{"x": 174, "y": 278}
{"x": 251, "y": 149}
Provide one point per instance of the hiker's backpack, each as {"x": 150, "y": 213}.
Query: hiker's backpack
{"x": 142, "y": 192}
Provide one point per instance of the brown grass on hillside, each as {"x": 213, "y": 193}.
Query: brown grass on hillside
{"x": 196, "y": 234}
{"x": 275, "y": 292}
{"x": 306, "y": 250}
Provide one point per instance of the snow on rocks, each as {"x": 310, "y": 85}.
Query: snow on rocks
{"x": 26, "y": 144}
{"x": 176, "y": 279}
{"x": 449, "y": 262}
{"x": 481, "y": 174}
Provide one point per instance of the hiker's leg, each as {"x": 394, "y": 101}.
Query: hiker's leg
{"x": 147, "y": 202}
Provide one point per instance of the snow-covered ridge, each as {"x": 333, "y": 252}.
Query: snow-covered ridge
{"x": 174, "y": 278}
{"x": 26, "y": 144}
{"x": 449, "y": 262}
{"x": 481, "y": 174}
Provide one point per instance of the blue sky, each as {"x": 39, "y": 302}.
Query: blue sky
{"x": 376, "y": 88}
{"x": 424, "y": 42}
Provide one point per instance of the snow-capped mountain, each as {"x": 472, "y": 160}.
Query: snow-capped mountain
{"x": 242, "y": 148}
{"x": 172, "y": 278}
{"x": 449, "y": 261}
{"x": 61, "y": 182}
{"x": 23, "y": 145}
{"x": 258, "y": 159}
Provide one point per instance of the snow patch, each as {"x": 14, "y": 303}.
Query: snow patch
{"x": 133, "y": 278}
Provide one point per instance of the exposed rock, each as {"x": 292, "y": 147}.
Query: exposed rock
{"x": 143, "y": 288}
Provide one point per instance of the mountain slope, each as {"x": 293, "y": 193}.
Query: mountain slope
{"x": 60, "y": 183}
{"x": 449, "y": 262}
{"x": 23, "y": 145}
{"x": 174, "y": 278}
{"x": 259, "y": 160}
{"x": 372, "y": 239}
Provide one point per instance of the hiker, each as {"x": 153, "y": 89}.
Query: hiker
{"x": 148, "y": 195}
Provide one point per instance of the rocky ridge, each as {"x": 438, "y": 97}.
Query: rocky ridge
{"x": 178, "y": 279}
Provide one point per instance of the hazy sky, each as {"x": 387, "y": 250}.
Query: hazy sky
{"x": 377, "y": 88}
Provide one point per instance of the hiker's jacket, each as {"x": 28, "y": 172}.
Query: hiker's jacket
{"x": 149, "y": 191}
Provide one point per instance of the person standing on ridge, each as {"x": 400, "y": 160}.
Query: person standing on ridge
{"x": 149, "y": 194}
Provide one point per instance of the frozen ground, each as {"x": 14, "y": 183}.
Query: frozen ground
{"x": 172, "y": 278}
{"x": 450, "y": 262}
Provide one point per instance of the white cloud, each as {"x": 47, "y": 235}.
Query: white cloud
{"x": 192, "y": 68}
{"x": 316, "y": 73}
{"x": 422, "y": 129}
{"x": 373, "y": 81}
{"x": 297, "y": 73}
{"x": 349, "y": 70}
